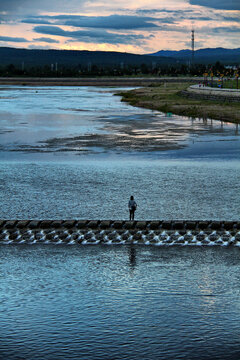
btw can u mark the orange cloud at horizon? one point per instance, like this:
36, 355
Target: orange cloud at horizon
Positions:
211, 29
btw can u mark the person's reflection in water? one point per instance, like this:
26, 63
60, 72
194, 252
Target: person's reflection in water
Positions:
132, 256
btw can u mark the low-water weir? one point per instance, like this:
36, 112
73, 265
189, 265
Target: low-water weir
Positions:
107, 232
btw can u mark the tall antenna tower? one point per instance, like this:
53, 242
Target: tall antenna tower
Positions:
193, 39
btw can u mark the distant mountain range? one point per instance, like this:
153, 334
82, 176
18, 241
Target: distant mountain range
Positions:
208, 55
75, 58
30, 58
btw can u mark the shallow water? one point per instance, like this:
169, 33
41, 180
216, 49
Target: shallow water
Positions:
115, 302
138, 303
45, 123
79, 153
100, 190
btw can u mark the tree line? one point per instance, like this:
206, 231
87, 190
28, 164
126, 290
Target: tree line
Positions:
58, 70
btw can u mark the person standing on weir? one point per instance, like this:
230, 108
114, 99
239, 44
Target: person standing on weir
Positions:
132, 205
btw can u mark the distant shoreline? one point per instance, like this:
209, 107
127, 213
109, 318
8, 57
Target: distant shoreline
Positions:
101, 81
156, 93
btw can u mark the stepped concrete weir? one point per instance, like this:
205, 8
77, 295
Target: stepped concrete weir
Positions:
110, 232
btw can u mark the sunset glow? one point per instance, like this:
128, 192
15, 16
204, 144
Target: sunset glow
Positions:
138, 27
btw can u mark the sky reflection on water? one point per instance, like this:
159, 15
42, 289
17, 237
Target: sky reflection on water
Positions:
94, 303
93, 121
80, 153
115, 302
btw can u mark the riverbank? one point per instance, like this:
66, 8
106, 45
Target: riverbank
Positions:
94, 81
167, 98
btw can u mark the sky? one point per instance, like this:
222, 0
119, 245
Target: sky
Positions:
140, 26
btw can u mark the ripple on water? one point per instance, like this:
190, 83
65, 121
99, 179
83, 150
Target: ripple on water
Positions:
119, 302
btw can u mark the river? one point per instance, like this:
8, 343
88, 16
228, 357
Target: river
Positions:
79, 153
114, 302
69, 152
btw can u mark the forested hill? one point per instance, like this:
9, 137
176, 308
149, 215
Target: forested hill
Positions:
76, 58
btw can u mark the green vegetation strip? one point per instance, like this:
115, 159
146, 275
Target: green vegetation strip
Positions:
167, 98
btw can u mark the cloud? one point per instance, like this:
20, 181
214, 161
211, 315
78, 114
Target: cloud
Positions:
194, 14
224, 29
198, 18
116, 22
218, 4
231, 18
9, 5
36, 20
47, 40
99, 36
12, 39
178, 15
168, 11
127, 27
37, 47
28, 6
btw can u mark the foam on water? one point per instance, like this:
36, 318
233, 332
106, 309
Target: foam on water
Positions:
120, 237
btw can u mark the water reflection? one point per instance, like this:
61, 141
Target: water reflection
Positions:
132, 256
92, 120
61, 306
209, 290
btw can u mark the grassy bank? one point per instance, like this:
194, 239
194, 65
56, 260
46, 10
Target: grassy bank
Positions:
167, 98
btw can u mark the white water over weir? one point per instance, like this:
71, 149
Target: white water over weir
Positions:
107, 232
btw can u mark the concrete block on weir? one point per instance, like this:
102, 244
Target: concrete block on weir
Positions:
137, 237
203, 224
216, 225
167, 225
237, 237
228, 225
93, 224
56, 224
2, 223
118, 224
13, 236
34, 224
21, 224
178, 225
82, 224
105, 224
238, 225
191, 225
141, 225
69, 223
154, 225
10, 224
46, 224
129, 224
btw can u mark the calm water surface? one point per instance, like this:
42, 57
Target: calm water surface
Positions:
68, 152
100, 190
119, 303
79, 153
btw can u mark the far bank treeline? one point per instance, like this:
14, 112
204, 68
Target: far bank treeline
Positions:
68, 63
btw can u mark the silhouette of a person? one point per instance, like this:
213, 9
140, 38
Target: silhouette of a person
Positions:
132, 206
